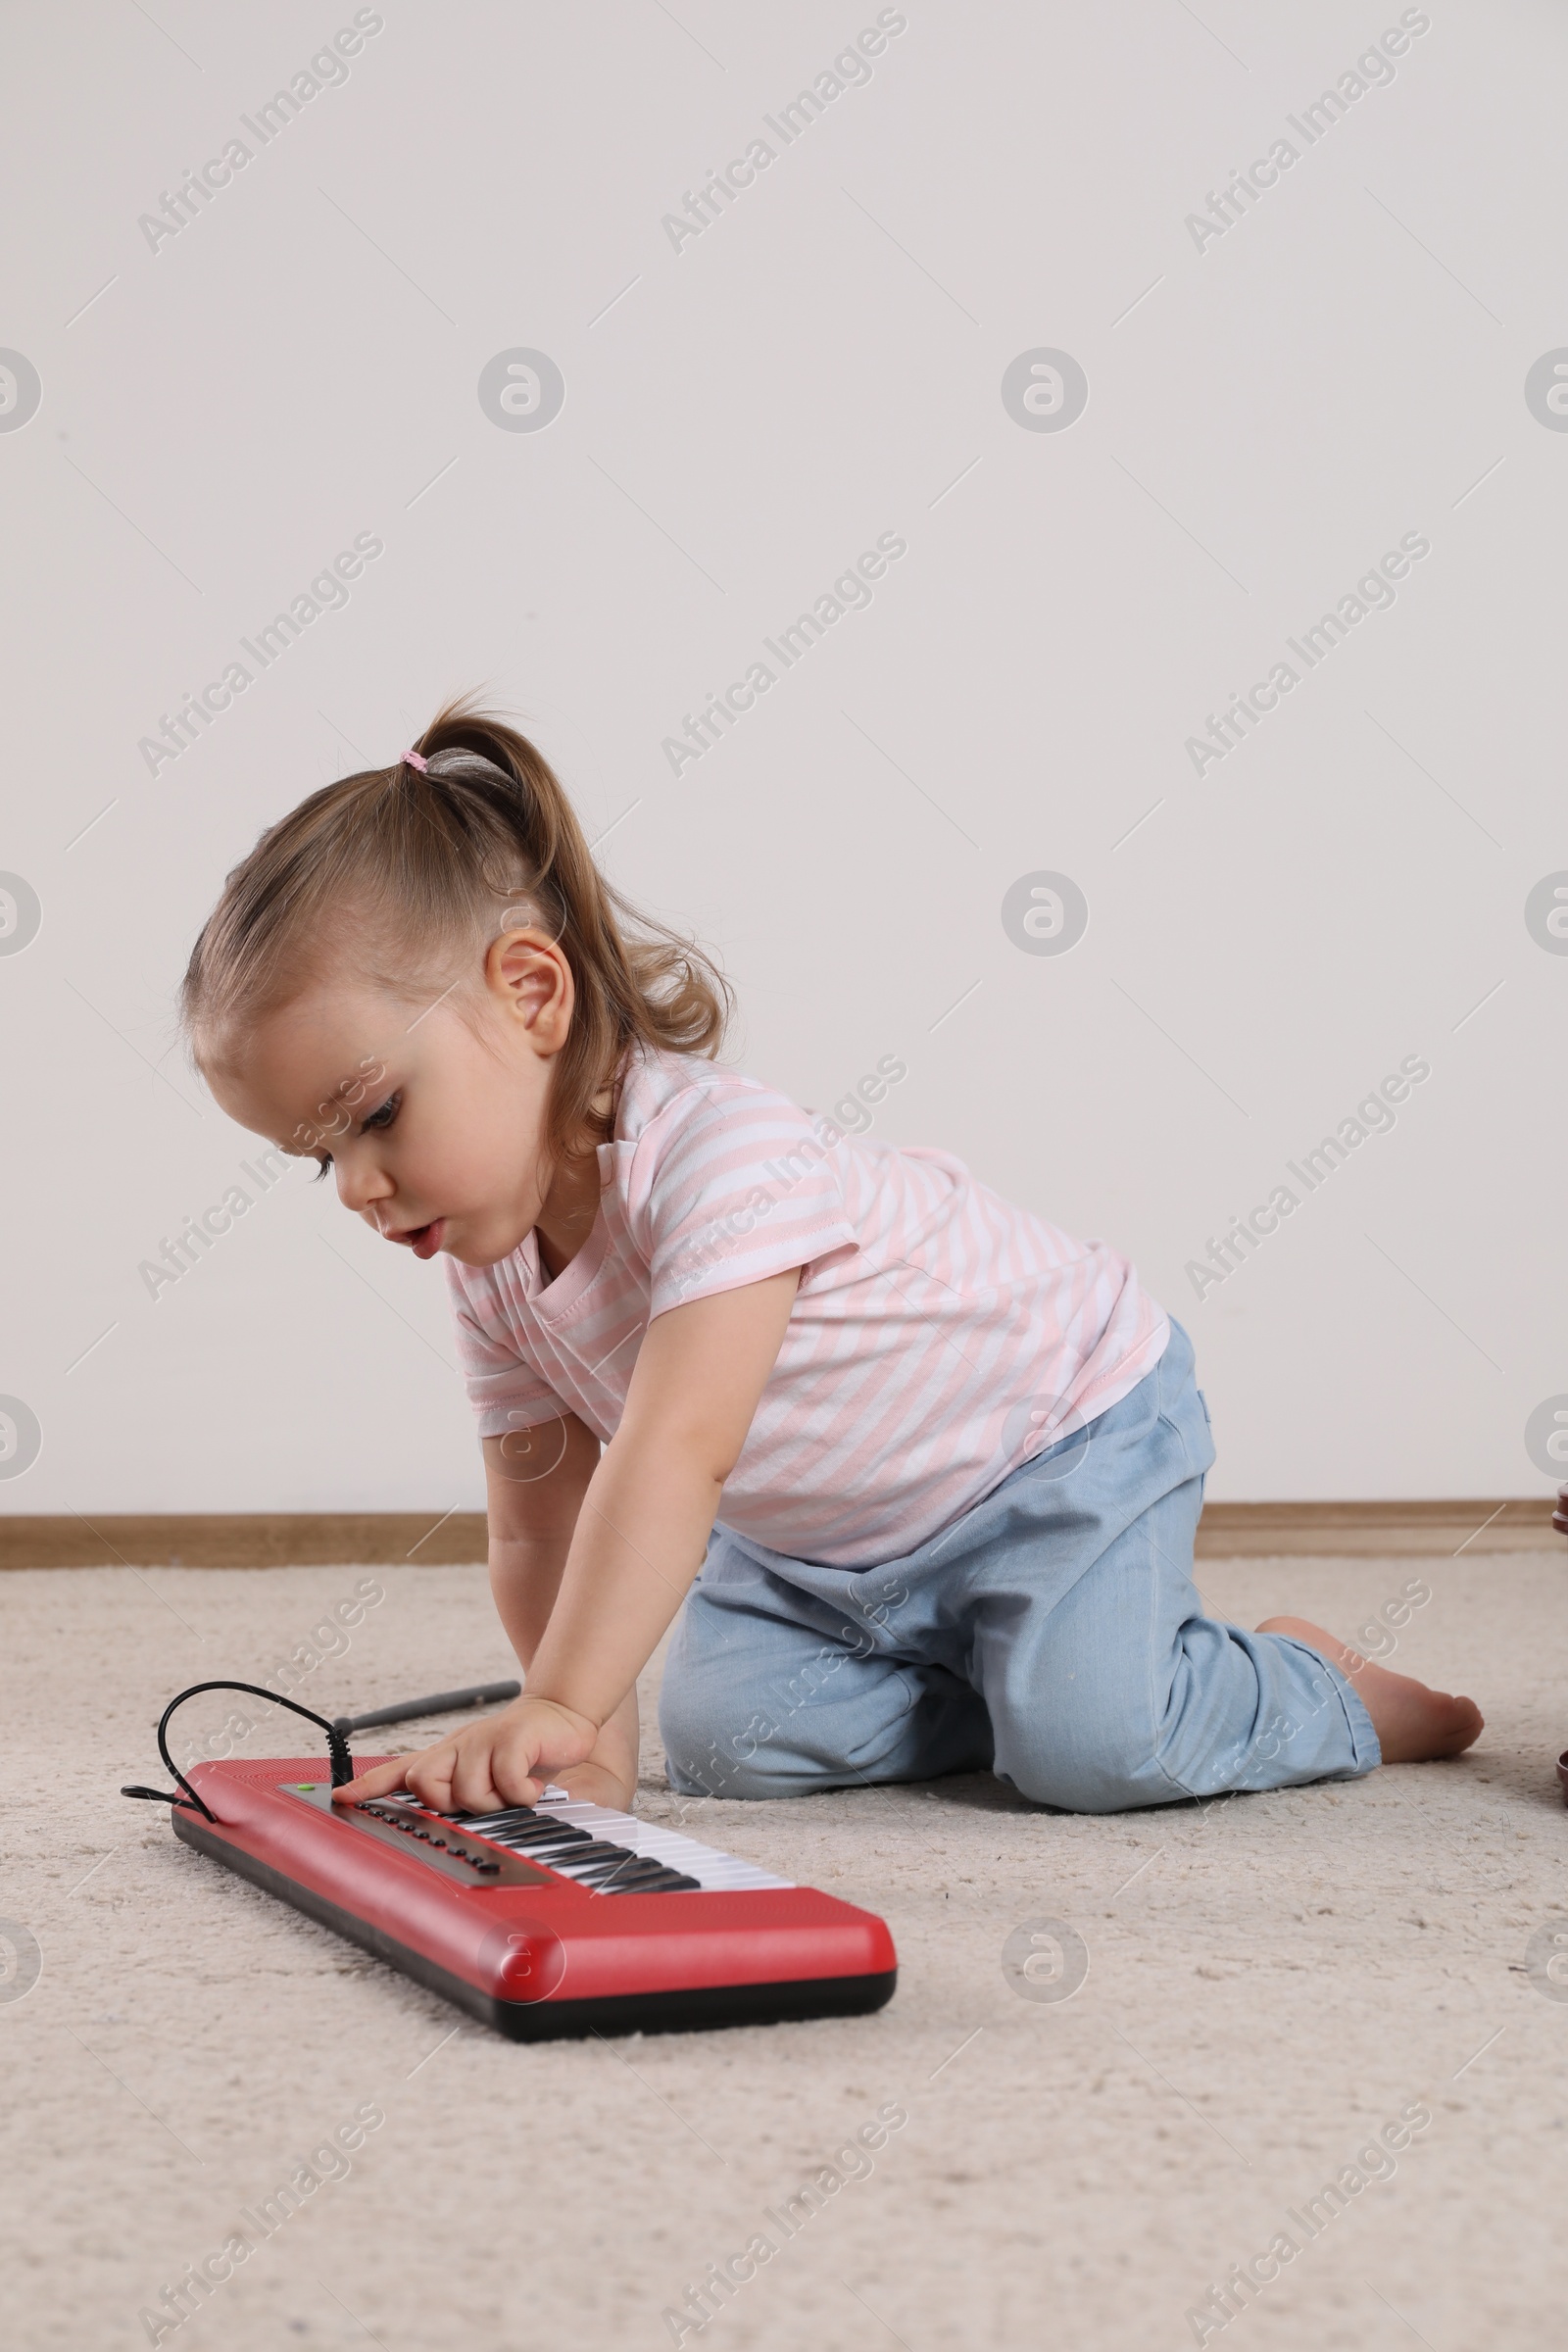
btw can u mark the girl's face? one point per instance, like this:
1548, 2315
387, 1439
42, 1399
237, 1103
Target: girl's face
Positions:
431, 1121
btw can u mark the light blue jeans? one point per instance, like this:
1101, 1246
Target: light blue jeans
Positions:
1053, 1636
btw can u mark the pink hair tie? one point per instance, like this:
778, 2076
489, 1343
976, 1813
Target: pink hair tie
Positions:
413, 759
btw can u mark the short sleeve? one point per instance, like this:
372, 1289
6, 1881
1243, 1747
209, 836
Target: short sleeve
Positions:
507, 1391
728, 1183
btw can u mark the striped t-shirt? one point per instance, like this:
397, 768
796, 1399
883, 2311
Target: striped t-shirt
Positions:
939, 1337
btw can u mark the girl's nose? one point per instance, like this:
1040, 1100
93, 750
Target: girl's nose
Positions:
360, 1181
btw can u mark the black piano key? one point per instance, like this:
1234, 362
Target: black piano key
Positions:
549, 1854
632, 1866
604, 1881
580, 1857
528, 1841
524, 1827
660, 1882
596, 1871
551, 1857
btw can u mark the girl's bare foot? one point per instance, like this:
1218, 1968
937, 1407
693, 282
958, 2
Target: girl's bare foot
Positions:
1412, 1722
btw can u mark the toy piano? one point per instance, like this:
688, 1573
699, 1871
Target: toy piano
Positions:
542, 1920
545, 1920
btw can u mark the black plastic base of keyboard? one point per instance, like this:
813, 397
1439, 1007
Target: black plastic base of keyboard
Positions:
692, 2009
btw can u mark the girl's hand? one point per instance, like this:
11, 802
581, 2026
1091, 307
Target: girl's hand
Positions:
505, 1759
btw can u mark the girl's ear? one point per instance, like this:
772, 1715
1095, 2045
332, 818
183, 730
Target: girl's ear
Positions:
530, 981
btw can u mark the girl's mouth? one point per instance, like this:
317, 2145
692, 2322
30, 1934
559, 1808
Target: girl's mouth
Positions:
424, 1240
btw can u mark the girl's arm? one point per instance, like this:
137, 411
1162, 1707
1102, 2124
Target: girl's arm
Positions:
535, 1481
638, 1541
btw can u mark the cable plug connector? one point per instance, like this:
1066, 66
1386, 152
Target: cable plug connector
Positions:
337, 1746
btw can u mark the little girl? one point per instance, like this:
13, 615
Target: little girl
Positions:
918, 1473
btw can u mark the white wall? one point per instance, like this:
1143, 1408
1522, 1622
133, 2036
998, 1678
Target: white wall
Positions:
1267, 417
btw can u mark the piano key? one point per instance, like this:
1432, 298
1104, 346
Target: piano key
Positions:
524, 1833
556, 1823
631, 1866
534, 1841
589, 1856
711, 1868
658, 1881
630, 1869
647, 1878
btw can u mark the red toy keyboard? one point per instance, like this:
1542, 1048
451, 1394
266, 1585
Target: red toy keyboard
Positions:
544, 1920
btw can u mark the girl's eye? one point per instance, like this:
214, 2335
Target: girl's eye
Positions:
379, 1121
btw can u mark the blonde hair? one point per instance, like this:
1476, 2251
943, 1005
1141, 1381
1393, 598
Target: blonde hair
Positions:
421, 863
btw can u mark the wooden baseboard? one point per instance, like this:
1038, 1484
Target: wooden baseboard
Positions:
244, 1540
1438, 1529
318, 1539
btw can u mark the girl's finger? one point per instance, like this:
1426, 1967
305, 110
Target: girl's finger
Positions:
377, 1782
475, 1784
430, 1775
515, 1769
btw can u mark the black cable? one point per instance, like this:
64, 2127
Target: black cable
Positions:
337, 1746
439, 1703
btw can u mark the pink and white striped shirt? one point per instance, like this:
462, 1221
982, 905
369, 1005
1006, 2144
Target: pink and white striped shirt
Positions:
940, 1336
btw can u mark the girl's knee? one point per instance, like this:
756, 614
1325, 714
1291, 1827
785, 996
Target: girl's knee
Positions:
711, 1769
710, 1753
1086, 1768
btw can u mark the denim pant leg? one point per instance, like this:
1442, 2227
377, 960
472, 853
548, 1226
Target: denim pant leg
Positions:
773, 1689
1115, 1689
1054, 1633
1127, 1694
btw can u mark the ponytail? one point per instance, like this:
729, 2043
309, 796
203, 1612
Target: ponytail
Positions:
428, 857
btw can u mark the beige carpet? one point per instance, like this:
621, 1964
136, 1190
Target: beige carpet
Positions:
1271, 1982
